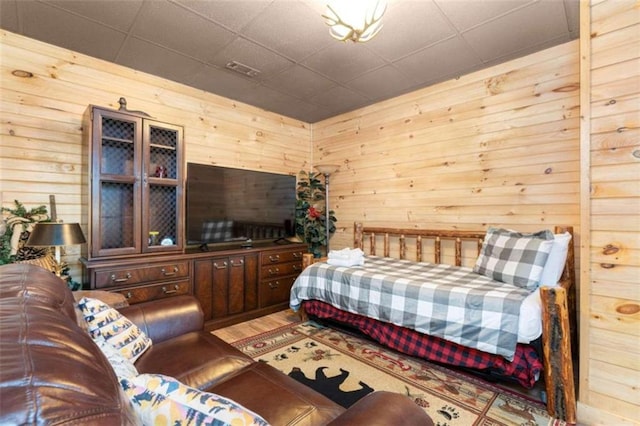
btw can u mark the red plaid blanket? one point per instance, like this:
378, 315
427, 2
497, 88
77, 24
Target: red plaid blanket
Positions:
525, 368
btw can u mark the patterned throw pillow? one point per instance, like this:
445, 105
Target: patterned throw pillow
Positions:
116, 329
121, 365
162, 400
513, 257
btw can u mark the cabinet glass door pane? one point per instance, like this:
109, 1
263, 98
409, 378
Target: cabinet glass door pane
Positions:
163, 215
117, 147
116, 215
163, 160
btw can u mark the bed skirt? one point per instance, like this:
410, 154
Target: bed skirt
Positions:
525, 368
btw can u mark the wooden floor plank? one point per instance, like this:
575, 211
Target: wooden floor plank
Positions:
257, 326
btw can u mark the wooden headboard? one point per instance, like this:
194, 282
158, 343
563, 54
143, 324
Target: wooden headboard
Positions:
559, 336
367, 234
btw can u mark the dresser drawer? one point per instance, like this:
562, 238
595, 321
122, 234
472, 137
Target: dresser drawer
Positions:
281, 269
141, 274
275, 257
155, 291
275, 291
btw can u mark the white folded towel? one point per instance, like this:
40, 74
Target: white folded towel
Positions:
346, 253
341, 262
346, 257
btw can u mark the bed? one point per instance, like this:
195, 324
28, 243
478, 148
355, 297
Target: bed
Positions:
394, 301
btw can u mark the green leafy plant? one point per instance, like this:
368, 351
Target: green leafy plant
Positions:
17, 217
310, 212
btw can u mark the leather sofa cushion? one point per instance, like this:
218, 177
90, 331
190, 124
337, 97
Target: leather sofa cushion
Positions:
31, 284
383, 408
38, 356
165, 319
276, 397
197, 359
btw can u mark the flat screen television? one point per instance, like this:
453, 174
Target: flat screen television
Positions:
226, 205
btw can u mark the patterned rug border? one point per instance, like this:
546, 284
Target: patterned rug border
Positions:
244, 340
469, 377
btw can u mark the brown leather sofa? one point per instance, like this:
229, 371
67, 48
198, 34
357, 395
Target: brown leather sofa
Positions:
51, 372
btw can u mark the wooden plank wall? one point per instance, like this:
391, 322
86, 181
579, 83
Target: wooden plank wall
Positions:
610, 330
41, 119
496, 147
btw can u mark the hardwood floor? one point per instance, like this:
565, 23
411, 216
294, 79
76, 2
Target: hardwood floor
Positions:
257, 326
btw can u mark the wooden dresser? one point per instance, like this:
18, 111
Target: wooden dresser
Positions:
141, 282
233, 284
279, 268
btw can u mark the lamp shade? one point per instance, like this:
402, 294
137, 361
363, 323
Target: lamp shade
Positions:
47, 234
327, 169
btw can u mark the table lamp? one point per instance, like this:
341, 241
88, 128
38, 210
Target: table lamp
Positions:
54, 234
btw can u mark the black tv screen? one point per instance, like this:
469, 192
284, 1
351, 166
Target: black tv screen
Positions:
226, 204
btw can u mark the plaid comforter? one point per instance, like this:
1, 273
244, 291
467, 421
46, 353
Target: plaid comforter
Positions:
449, 302
525, 367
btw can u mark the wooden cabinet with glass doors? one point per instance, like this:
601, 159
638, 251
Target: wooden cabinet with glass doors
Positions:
135, 206
136, 185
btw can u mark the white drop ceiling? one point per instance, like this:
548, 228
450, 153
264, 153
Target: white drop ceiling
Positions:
304, 73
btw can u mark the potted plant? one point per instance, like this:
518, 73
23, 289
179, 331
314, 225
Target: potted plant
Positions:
310, 212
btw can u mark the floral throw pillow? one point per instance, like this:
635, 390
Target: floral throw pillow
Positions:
163, 400
513, 257
115, 328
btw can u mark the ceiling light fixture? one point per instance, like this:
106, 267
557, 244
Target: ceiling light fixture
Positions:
355, 20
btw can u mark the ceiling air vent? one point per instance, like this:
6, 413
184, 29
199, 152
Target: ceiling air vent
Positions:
242, 69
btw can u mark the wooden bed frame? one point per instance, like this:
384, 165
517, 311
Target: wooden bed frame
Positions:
558, 303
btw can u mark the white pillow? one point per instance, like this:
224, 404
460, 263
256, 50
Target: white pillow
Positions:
555, 262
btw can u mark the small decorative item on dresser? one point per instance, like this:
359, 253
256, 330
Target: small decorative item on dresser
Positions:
153, 238
161, 172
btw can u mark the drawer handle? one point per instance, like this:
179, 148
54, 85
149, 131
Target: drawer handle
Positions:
297, 255
275, 271
170, 273
275, 285
120, 280
238, 263
128, 295
220, 266
175, 289
275, 258
297, 267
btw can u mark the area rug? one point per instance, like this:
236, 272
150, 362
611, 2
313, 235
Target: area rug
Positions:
345, 367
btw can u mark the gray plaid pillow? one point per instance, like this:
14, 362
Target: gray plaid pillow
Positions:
513, 257
217, 230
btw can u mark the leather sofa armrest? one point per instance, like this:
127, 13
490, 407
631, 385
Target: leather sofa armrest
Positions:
382, 409
164, 319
